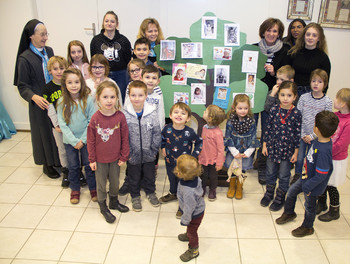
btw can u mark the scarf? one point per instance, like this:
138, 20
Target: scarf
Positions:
45, 59
241, 127
269, 51
152, 53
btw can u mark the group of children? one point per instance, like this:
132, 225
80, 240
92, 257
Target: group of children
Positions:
94, 130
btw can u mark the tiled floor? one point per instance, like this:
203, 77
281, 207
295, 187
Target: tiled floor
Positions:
39, 225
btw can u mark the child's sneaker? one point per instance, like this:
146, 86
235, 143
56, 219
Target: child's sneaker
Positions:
74, 197
212, 195
136, 204
178, 214
285, 218
65, 181
152, 198
302, 231
191, 253
93, 194
183, 237
168, 198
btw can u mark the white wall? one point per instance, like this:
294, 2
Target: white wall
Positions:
65, 20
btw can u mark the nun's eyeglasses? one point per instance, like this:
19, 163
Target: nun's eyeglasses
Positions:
44, 34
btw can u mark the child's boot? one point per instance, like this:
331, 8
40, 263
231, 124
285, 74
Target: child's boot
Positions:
115, 204
212, 195
65, 181
232, 189
110, 218
278, 203
239, 190
321, 203
332, 214
191, 253
268, 196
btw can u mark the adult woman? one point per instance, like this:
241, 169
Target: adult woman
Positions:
115, 47
31, 75
309, 53
295, 29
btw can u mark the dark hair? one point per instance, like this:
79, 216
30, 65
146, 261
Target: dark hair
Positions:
137, 84
327, 123
99, 58
110, 13
142, 40
289, 39
150, 69
182, 106
289, 85
269, 23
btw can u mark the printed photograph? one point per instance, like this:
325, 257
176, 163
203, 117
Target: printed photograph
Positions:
250, 82
167, 49
209, 27
250, 61
179, 74
192, 50
222, 75
231, 34
222, 53
196, 71
198, 91
181, 97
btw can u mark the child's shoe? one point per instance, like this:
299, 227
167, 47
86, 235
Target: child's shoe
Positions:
74, 197
268, 196
278, 203
136, 204
152, 198
212, 195
232, 189
191, 253
124, 189
239, 190
65, 181
93, 194
115, 204
110, 218
294, 178
332, 214
82, 178
178, 214
302, 231
183, 237
168, 198
285, 218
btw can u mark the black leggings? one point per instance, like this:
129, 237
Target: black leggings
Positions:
333, 196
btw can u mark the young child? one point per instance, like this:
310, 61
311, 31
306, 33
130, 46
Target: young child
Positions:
319, 169
341, 141
309, 105
191, 202
179, 75
212, 156
52, 92
145, 139
77, 58
142, 49
75, 109
281, 143
135, 68
177, 139
240, 141
108, 147
99, 70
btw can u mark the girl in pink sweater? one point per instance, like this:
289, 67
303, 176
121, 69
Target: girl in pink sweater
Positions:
341, 141
212, 156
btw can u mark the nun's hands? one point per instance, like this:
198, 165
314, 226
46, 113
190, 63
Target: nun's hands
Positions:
40, 101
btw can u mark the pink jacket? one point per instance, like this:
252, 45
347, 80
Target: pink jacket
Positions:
213, 147
341, 138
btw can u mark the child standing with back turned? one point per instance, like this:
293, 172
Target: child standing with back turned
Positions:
319, 168
212, 156
191, 202
341, 141
108, 146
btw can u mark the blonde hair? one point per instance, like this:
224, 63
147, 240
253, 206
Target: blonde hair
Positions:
344, 95
182, 106
79, 44
108, 84
138, 62
187, 167
99, 58
144, 27
68, 102
216, 115
240, 98
322, 74
287, 70
60, 60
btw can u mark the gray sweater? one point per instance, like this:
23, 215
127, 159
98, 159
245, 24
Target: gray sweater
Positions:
144, 134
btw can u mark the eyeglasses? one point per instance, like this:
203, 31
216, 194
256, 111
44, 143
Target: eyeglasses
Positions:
95, 68
137, 70
44, 34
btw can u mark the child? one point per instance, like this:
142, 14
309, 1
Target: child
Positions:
135, 68
179, 75
108, 147
191, 202
75, 109
319, 169
142, 49
178, 139
240, 141
281, 143
77, 58
285, 73
197, 94
145, 139
99, 70
52, 92
212, 156
341, 141
309, 105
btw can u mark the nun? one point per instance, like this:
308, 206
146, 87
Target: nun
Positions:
31, 75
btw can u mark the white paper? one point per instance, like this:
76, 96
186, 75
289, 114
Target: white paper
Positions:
209, 27
332, 10
343, 15
300, 6
221, 75
198, 93
250, 83
250, 61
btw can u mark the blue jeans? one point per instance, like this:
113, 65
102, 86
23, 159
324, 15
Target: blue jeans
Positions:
303, 149
74, 167
281, 171
310, 204
173, 180
121, 78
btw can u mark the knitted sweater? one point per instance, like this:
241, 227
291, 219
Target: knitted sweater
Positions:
341, 138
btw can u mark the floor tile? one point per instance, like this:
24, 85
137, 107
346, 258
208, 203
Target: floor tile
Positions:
258, 251
12, 240
250, 204
5, 261
45, 244
169, 249
122, 247
87, 247
45, 180
255, 226
19, 136
13, 159
332, 230
25, 175
168, 219
22, 147
27, 138
222, 205
24, 216
209, 248
303, 251
337, 250
31, 261
63, 199
210, 228
5, 209
29, 162
40, 194
17, 191
345, 203
5, 172
7, 144
127, 224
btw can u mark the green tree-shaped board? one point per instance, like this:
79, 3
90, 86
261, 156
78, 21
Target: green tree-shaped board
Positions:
237, 78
